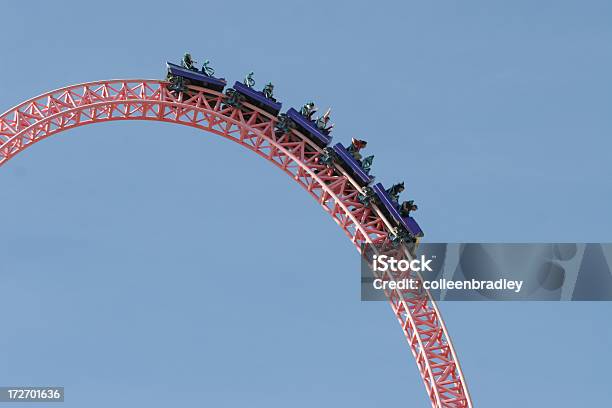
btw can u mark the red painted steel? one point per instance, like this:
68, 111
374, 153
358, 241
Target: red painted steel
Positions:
296, 155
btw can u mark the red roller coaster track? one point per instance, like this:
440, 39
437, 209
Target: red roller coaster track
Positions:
295, 154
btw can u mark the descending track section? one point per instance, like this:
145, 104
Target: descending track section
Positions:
255, 128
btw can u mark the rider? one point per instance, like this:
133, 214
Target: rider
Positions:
206, 70
407, 207
268, 91
188, 62
355, 147
322, 122
249, 81
394, 192
308, 109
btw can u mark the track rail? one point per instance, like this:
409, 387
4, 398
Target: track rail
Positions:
138, 99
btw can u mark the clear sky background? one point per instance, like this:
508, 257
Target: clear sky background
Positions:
135, 274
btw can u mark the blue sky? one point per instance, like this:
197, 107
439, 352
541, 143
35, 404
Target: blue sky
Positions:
120, 277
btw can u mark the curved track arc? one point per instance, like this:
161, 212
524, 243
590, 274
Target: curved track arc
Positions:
114, 100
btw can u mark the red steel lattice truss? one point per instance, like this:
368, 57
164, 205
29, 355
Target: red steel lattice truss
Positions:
296, 155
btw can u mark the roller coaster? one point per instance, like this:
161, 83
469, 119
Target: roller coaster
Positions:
299, 144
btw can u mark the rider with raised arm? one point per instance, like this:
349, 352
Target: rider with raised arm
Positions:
206, 70
355, 147
322, 122
248, 80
